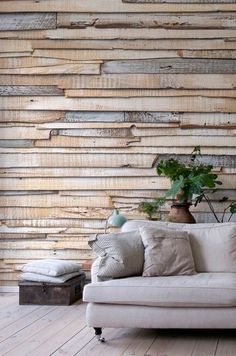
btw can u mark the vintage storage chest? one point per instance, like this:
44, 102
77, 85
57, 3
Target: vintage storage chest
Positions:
51, 293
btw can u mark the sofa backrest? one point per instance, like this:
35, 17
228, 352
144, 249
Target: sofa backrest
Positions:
213, 245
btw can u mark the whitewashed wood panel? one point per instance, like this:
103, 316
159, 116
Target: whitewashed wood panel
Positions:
28, 21
15, 46
17, 90
20, 133
70, 68
83, 184
96, 54
126, 81
153, 141
179, 65
187, 104
31, 62
150, 81
75, 160
149, 44
94, 33
54, 200
142, 93
163, 20
105, 6
29, 116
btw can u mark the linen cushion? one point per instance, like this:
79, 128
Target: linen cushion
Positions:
198, 290
50, 267
121, 254
34, 277
213, 244
167, 252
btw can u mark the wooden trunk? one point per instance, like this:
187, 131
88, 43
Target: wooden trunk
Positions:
51, 293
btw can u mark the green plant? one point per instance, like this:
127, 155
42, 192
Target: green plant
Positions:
152, 208
188, 180
231, 208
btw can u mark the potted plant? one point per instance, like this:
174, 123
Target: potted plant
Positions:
152, 208
188, 184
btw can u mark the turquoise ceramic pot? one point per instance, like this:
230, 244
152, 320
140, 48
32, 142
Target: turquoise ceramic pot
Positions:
116, 219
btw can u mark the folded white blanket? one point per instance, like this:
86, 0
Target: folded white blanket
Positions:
50, 267
34, 277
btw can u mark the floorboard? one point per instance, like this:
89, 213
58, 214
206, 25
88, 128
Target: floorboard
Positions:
61, 330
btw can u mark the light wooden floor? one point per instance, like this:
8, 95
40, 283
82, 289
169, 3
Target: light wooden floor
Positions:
61, 330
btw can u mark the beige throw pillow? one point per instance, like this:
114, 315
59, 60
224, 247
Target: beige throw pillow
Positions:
121, 254
167, 252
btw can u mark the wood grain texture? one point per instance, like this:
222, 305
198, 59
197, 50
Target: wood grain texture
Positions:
27, 21
94, 33
158, 20
105, 6
92, 95
170, 66
188, 104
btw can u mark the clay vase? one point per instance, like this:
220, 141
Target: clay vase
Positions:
180, 213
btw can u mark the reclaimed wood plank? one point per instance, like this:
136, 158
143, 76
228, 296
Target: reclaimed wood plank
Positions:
55, 201
31, 62
16, 143
126, 81
149, 81
148, 44
21, 133
76, 160
15, 46
15, 54
105, 6
187, 104
208, 20
44, 245
29, 116
118, 33
17, 90
39, 254
143, 141
93, 54
179, 65
177, 1
70, 68
156, 131
83, 184
27, 21
73, 93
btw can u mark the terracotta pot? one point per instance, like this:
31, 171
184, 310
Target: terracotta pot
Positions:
180, 214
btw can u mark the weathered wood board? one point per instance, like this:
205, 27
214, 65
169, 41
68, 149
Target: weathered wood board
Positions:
92, 95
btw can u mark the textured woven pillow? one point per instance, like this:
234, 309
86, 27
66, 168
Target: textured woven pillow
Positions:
51, 268
167, 252
121, 254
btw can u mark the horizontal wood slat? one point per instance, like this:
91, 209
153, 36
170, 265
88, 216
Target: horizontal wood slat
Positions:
159, 20
105, 6
188, 104
28, 21
94, 33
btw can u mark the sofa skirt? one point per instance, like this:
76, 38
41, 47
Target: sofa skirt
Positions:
136, 316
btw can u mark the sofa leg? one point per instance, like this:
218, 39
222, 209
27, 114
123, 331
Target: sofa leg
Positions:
98, 333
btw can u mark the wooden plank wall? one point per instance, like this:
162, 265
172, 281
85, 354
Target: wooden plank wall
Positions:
92, 94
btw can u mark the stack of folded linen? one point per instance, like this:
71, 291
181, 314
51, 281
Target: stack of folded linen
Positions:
50, 270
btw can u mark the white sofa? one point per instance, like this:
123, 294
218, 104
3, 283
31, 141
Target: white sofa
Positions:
203, 300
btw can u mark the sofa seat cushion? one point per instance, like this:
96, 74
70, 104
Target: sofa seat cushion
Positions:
200, 290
